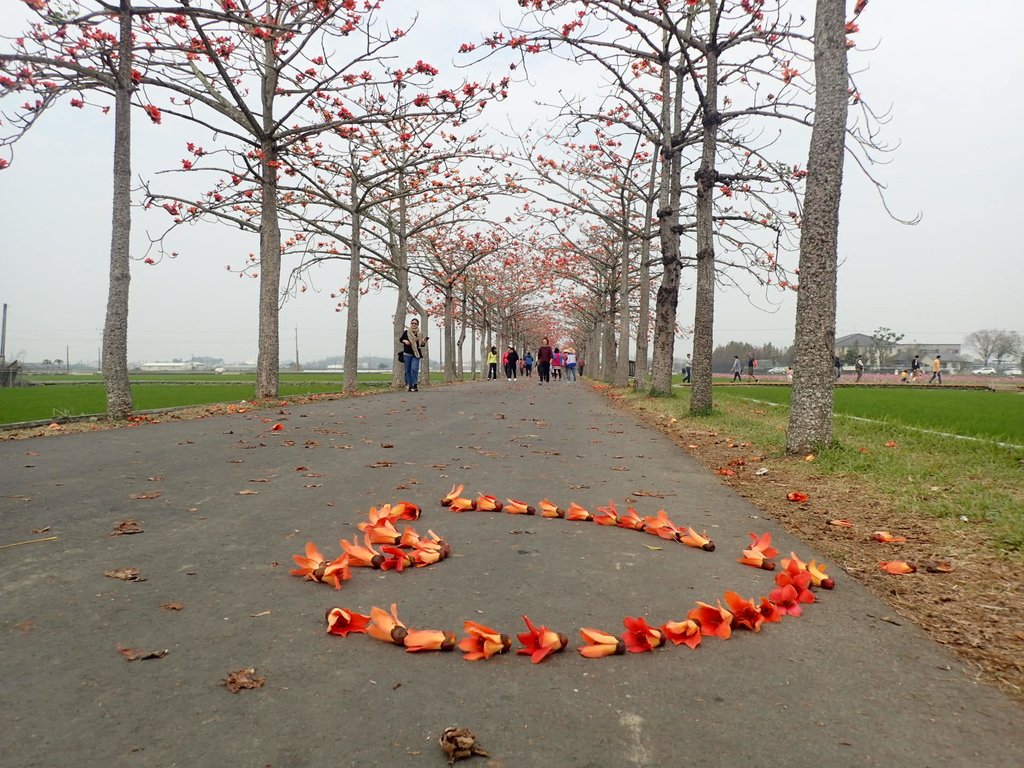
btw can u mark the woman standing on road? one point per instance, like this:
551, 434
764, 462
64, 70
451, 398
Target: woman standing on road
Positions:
412, 349
511, 363
492, 364
544, 355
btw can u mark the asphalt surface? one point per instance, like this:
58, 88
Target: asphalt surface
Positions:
847, 684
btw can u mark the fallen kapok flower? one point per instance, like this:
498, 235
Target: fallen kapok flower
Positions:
659, 525
461, 504
887, 538
315, 567
897, 567
488, 503
640, 636
693, 539
243, 678
938, 566
797, 496
135, 654
770, 611
125, 574
360, 556
375, 516
576, 512
890, 444
725, 472
382, 532
516, 507
278, 427
405, 510
607, 515
685, 632
550, 509
483, 642
598, 644
817, 572
841, 523
714, 620
760, 550
343, 622
397, 559
745, 612
126, 527
386, 627
460, 743
786, 599
410, 538
540, 642
631, 520
454, 493
417, 640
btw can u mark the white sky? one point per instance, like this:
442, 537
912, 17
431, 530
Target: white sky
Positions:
948, 75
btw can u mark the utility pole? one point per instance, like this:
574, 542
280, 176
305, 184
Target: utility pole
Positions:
3, 339
297, 366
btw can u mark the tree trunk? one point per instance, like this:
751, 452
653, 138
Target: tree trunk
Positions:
268, 359
621, 374
115, 328
668, 231
449, 333
810, 416
704, 300
352, 298
643, 322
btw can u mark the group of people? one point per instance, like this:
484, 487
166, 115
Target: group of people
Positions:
914, 374
550, 363
737, 368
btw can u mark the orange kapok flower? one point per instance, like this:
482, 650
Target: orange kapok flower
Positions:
461, 504
797, 496
607, 515
685, 632
454, 493
659, 525
360, 556
386, 627
483, 642
745, 613
763, 544
417, 640
818, 576
410, 538
887, 538
713, 620
598, 644
693, 539
770, 611
382, 532
640, 636
397, 559
785, 598
540, 642
405, 510
550, 509
897, 567
486, 503
516, 507
313, 567
576, 512
375, 516
342, 622
631, 520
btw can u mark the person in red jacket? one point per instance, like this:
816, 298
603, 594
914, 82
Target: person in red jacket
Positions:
544, 355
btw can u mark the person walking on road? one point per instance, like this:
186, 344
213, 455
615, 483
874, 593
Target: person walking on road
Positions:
528, 364
544, 355
412, 350
570, 364
492, 364
687, 370
737, 369
859, 366
751, 367
556, 364
511, 363
936, 369
837, 363
915, 368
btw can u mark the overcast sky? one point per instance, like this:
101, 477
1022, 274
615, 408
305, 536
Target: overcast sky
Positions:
948, 76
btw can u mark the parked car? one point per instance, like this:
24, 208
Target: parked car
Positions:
1014, 372
984, 371
777, 369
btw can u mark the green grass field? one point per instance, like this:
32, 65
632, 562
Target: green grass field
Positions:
983, 414
63, 396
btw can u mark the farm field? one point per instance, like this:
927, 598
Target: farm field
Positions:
996, 416
63, 396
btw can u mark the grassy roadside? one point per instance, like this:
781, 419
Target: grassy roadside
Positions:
956, 501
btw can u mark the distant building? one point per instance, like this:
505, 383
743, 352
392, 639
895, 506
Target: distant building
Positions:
900, 354
191, 365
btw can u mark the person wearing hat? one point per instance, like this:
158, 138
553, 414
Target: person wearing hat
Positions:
511, 363
570, 364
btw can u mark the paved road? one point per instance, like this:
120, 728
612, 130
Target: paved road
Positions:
840, 686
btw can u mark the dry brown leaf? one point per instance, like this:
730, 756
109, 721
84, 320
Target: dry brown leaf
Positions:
155, 478
41, 530
136, 654
126, 527
125, 574
243, 678
146, 495
258, 480
175, 606
247, 493
313, 485
387, 445
381, 463
651, 494
938, 566
261, 613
